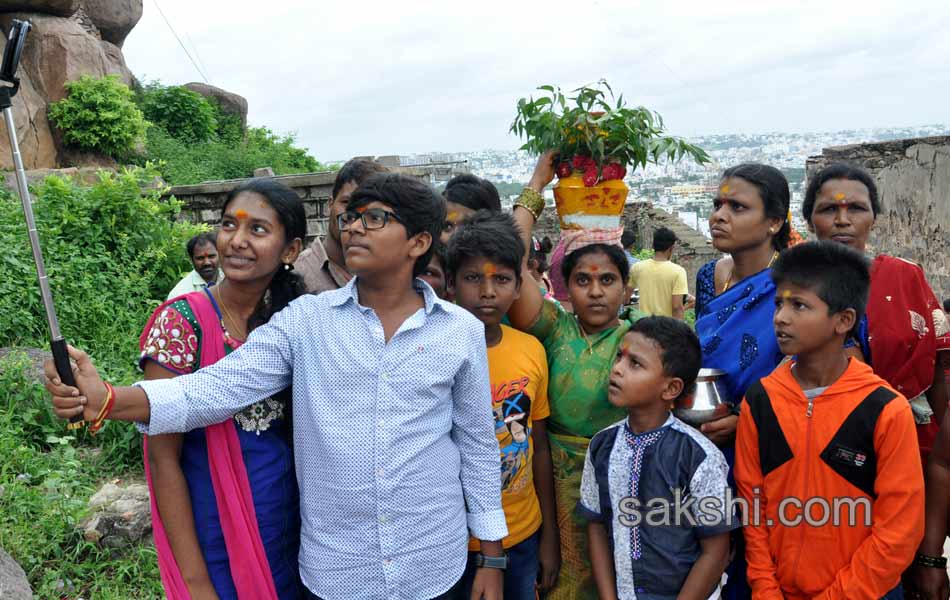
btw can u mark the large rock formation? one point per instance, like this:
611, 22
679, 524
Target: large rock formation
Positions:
64, 44
60, 8
113, 18
229, 102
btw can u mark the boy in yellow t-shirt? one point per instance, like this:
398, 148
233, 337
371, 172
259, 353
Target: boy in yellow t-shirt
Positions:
485, 258
662, 283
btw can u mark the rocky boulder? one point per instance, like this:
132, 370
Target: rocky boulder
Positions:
114, 18
60, 8
57, 51
120, 515
13, 582
229, 102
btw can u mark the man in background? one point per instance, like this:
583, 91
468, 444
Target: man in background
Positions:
322, 265
202, 250
662, 283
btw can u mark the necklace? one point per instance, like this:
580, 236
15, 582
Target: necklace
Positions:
733, 268
227, 313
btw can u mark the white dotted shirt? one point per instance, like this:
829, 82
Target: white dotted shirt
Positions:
395, 445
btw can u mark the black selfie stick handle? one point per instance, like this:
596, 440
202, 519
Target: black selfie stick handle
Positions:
65, 371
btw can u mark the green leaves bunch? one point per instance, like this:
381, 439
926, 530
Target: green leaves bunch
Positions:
590, 122
99, 115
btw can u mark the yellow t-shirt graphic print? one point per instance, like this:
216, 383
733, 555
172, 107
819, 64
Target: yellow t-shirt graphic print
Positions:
519, 383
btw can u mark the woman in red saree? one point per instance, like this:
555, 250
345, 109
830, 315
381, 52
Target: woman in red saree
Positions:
225, 504
899, 335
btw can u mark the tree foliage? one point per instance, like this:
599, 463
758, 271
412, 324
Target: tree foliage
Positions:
112, 250
99, 115
184, 114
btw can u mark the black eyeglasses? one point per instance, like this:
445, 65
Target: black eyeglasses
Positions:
372, 218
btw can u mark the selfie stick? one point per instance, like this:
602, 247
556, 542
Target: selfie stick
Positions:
9, 86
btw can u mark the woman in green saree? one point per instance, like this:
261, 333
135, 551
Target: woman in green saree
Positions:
581, 348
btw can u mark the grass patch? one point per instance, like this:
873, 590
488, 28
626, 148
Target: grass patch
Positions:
47, 476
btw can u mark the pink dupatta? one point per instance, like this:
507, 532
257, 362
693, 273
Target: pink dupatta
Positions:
250, 570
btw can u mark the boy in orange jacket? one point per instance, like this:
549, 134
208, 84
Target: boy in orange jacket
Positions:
826, 451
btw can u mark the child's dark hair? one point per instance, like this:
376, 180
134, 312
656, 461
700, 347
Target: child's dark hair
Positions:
285, 285
628, 238
473, 192
205, 237
493, 235
773, 189
663, 239
539, 253
834, 272
416, 204
680, 351
839, 171
614, 253
355, 170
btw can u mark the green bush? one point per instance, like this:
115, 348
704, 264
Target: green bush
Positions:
112, 250
47, 477
184, 114
182, 163
99, 115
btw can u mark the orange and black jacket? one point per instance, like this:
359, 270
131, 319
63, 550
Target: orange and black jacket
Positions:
854, 441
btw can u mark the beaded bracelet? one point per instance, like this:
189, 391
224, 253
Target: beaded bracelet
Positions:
531, 201
934, 562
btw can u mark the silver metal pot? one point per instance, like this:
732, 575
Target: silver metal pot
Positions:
709, 402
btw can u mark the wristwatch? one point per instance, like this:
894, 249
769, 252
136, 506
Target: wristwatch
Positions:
491, 562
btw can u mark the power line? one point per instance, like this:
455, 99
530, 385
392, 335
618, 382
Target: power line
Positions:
201, 61
188, 54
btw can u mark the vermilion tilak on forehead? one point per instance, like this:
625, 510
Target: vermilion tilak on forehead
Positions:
624, 349
594, 268
361, 209
489, 269
240, 214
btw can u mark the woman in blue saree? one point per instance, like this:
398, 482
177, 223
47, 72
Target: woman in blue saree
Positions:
735, 300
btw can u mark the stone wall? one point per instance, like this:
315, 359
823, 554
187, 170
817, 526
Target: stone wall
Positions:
692, 251
913, 179
203, 201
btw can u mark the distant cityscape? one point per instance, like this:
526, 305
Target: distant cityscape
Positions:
682, 188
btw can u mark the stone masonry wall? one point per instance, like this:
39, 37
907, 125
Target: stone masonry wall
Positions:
913, 180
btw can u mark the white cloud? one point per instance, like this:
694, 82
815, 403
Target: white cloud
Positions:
380, 77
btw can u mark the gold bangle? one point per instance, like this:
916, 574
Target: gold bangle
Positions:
531, 201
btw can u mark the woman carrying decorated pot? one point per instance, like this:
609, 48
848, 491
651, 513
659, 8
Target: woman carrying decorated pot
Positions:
735, 300
224, 498
899, 335
581, 348
597, 138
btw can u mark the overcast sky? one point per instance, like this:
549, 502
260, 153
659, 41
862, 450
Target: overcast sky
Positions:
375, 77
